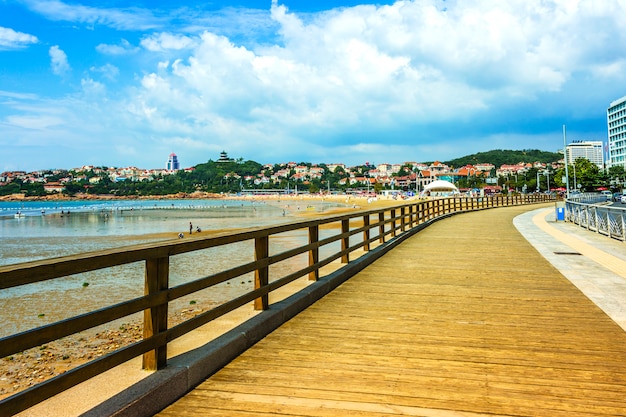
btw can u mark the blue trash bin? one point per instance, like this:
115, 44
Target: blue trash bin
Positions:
560, 213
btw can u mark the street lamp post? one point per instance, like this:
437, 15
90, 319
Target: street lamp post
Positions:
538, 181
566, 171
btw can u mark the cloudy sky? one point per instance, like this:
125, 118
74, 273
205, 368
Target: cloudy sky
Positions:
121, 83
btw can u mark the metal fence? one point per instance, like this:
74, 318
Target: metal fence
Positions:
600, 218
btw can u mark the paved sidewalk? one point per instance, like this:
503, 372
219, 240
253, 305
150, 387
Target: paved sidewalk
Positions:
595, 263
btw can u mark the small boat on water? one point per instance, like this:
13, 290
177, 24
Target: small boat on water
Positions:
19, 214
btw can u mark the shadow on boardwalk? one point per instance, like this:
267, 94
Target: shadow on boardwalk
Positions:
465, 318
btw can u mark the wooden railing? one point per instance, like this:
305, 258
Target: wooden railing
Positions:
374, 227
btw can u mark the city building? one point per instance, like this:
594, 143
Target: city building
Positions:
172, 163
589, 150
616, 123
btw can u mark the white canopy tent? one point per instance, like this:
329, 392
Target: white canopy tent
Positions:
440, 188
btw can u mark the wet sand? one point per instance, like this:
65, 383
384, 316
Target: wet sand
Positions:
28, 368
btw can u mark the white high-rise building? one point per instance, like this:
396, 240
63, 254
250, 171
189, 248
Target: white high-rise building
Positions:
589, 150
616, 121
172, 163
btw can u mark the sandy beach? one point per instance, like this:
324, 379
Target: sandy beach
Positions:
28, 368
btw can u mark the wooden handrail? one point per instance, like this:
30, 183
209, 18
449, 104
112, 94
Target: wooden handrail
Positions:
390, 222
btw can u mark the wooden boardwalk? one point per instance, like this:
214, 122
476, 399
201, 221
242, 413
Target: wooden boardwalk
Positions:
463, 319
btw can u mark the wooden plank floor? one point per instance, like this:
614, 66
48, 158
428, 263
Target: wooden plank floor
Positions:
463, 319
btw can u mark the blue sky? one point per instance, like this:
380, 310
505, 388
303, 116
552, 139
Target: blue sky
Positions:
120, 83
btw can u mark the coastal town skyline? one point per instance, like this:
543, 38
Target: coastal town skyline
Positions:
105, 83
172, 164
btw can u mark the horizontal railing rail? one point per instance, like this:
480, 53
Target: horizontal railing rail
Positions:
603, 219
345, 234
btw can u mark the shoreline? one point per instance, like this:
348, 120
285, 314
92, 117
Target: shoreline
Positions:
198, 195
110, 197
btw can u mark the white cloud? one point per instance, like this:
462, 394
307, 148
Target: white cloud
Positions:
34, 122
92, 88
130, 18
363, 82
167, 41
10, 39
369, 69
124, 48
108, 71
58, 60
21, 96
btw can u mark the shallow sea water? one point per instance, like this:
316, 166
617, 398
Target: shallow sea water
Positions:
51, 234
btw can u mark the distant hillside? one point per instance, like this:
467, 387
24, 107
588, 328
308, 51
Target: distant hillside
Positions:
500, 157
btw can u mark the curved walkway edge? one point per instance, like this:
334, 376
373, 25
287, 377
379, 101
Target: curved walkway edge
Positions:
594, 263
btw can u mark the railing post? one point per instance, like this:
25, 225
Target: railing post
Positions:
381, 227
155, 318
412, 215
623, 216
366, 233
261, 275
314, 253
393, 223
345, 241
403, 219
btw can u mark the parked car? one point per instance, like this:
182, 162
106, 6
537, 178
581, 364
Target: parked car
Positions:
607, 194
617, 197
623, 199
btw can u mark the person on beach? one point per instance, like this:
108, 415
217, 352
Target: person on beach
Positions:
190, 228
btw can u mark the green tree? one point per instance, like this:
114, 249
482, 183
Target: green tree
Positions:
33, 189
617, 177
11, 188
587, 174
500, 157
